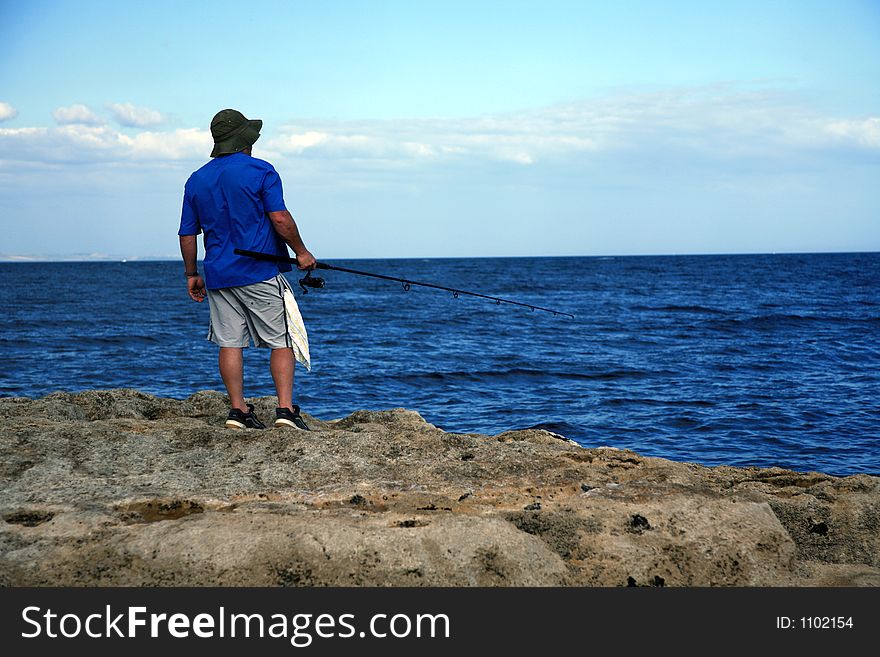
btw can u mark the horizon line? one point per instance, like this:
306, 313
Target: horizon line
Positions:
80, 258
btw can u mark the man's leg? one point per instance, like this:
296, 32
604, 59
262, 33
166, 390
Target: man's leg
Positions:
281, 364
232, 372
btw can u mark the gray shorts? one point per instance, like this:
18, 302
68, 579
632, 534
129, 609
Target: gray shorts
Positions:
250, 312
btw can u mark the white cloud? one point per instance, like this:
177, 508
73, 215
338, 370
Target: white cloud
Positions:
7, 111
76, 114
865, 132
502, 139
78, 143
718, 122
299, 142
182, 144
350, 145
129, 115
687, 127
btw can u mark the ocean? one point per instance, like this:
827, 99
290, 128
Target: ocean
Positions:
747, 360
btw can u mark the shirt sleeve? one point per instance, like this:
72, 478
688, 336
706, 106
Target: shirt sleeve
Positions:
189, 218
272, 193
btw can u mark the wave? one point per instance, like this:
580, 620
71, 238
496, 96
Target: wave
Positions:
702, 310
526, 373
781, 320
625, 401
561, 428
122, 340
74, 342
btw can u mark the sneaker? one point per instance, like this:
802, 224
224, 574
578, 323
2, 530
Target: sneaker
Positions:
239, 420
284, 417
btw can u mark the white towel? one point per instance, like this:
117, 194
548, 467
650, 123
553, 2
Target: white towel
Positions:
296, 328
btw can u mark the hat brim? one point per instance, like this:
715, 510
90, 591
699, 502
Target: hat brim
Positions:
241, 139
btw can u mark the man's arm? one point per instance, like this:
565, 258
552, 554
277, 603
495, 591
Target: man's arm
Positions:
284, 225
194, 284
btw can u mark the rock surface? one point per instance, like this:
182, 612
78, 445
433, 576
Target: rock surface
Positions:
122, 488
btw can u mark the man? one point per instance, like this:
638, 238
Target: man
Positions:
237, 201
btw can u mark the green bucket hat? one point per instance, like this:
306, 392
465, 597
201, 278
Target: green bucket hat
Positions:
233, 132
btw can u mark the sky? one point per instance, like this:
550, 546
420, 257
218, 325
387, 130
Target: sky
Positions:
445, 129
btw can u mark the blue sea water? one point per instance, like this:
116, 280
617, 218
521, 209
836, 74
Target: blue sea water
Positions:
767, 360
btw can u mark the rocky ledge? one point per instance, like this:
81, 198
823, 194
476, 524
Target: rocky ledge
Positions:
122, 488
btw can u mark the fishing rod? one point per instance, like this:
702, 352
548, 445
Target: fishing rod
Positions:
308, 281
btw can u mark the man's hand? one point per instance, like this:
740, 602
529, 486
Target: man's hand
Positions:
305, 260
194, 284
196, 288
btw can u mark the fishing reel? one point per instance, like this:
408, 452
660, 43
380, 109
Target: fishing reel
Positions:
307, 281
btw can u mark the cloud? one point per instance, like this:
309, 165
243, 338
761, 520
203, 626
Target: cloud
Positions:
513, 138
866, 133
127, 114
76, 114
181, 144
7, 111
77, 143
690, 127
717, 121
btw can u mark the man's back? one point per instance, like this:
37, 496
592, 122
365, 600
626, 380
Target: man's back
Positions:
229, 198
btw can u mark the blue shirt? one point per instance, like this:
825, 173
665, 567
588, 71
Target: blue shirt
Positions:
228, 199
